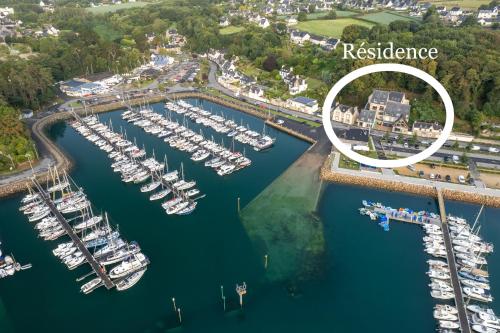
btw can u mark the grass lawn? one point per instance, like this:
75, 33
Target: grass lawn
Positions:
470, 4
340, 13
387, 17
113, 8
330, 28
230, 30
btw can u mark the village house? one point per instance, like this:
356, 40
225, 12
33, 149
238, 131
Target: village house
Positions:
366, 118
427, 129
224, 22
264, 23
296, 84
345, 114
392, 109
299, 37
303, 104
486, 17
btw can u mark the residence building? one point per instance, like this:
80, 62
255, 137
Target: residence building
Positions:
427, 129
345, 114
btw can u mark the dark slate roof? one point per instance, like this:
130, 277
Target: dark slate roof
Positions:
305, 100
397, 110
345, 108
72, 83
367, 116
396, 96
379, 97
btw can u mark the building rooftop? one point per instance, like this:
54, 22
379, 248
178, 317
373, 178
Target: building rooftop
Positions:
305, 100
397, 110
367, 116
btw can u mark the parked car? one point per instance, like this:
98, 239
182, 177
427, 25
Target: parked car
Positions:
461, 179
475, 148
280, 121
432, 176
493, 150
455, 159
471, 181
405, 144
448, 178
421, 173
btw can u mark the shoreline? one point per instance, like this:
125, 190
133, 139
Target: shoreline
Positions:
399, 185
64, 163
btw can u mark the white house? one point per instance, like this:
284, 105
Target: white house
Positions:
297, 85
264, 23
256, 92
303, 104
299, 37
291, 21
224, 22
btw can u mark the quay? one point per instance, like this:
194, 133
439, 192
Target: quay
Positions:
99, 271
457, 289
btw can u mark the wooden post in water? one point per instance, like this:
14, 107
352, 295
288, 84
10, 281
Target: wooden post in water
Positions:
173, 301
238, 205
223, 297
265, 261
180, 317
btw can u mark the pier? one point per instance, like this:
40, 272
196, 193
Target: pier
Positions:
457, 289
99, 271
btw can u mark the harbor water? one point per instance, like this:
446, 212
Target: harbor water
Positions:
371, 280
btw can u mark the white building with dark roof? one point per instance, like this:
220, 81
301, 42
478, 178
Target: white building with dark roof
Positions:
427, 129
391, 108
303, 104
345, 114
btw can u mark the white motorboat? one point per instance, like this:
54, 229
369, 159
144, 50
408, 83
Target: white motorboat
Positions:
160, 195
478, 294
448, 324
134, 263
150, 187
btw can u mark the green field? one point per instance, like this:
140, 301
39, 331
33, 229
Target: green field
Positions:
113, 8
330, 28
470, 4
230, 30
340, 13
387, 17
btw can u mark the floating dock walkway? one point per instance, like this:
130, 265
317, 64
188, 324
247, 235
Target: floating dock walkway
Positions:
457, 289
99, 271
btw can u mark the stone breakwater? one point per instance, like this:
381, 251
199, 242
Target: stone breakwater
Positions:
405, 187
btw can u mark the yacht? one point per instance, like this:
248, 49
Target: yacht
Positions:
442, 294
448, 324
88, 223
91, 285
136, 262
177, 207
150, 187
483, 329
120, 254
441, 314
130, 280
478, 294
446, 307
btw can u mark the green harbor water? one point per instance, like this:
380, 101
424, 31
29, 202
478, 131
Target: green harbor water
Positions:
369, 280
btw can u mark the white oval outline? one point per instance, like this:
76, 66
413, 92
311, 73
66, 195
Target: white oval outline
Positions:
388, 67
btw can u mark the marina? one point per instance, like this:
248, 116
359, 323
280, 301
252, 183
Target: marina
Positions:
94, 243
460, 276
219, 246
134, 167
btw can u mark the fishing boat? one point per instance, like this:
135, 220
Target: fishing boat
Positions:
130, 280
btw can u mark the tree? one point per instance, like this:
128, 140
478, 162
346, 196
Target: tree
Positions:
354, 32
464, 158
332, 15
302, 17
311, 8
270, 63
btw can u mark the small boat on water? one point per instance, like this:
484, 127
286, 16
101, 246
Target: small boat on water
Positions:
150, 187
91, 285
